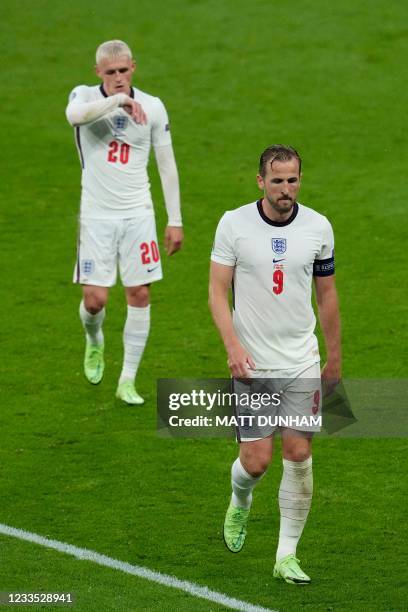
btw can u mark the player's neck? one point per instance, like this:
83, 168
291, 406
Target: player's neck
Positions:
275, 215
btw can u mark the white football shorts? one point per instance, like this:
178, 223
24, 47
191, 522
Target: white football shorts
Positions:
273, 400
105, 244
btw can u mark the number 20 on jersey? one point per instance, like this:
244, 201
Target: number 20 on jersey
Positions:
118, 152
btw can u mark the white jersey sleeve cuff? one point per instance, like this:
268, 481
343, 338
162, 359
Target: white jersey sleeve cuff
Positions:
221, 260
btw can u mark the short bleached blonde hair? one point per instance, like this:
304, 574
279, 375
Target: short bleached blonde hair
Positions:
112, 49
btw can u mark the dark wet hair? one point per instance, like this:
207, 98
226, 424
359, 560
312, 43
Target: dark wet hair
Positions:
277, 152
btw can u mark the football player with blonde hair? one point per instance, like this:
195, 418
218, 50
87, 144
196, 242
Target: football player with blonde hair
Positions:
115, 125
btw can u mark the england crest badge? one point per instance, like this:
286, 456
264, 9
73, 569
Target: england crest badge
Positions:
120, 123
279, 245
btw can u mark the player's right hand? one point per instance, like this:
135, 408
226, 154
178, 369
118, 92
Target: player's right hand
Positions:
331, 376
135, 110
240, 362
173, 239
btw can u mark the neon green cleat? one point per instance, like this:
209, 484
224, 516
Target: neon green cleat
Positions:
288, 569
235, 528
94, 364
127, 393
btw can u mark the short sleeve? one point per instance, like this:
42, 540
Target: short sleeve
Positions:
161, 136
223, 249
323, 265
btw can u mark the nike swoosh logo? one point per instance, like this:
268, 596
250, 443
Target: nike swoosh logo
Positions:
276, 260
151, 269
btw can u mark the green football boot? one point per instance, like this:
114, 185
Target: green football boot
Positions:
94, 364
235, 527
127, 393
288, 569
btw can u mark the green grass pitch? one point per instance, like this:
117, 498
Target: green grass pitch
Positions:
76, 465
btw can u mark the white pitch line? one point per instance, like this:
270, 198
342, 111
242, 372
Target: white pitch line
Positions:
135, 570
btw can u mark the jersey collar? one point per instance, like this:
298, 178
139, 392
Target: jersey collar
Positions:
105, 95
277, 223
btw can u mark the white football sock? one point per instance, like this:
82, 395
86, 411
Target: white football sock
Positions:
135, 336
92, 324
242, 485
295, 497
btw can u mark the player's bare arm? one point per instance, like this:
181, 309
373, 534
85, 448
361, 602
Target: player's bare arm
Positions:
329, 317
239, 360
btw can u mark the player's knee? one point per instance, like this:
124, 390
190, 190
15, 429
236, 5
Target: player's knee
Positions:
258, 471
94, 302
256, 466
296, 447
94, 307
297, 454
138, 296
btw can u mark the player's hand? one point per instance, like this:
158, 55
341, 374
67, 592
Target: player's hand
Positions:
331, 376
173, 239
240, 361
135, 110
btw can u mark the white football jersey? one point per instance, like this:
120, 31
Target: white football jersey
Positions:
272, 284
114, 153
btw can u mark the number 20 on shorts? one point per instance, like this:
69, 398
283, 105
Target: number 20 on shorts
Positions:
149, 252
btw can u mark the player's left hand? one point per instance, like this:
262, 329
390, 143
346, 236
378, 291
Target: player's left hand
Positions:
173, 239
331, 376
